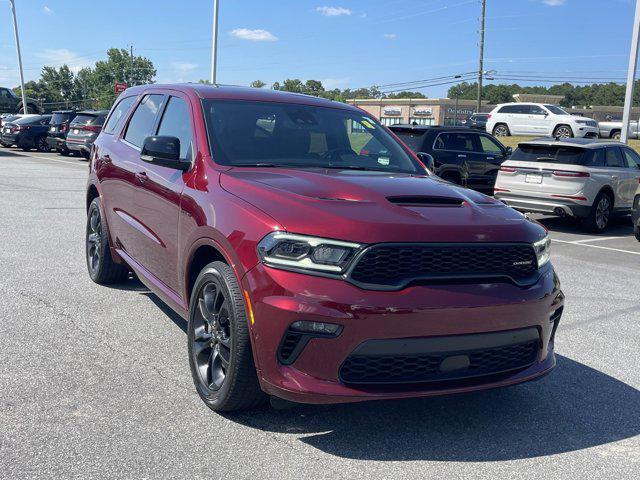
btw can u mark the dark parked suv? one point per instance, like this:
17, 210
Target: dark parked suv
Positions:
461, 155
58, 129
306, 268
27, 133
477, 121
83, 131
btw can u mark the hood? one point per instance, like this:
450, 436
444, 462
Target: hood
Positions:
372, 207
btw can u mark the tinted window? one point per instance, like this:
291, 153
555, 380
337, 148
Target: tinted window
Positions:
281, 135
614, 157
84, 119
5, 93
594, 158
633, 161
508, 109
536, 110
549, 154
556, 109
176, 122
489, 145
454, 141
59, 118
37, 120
118, 113
413, 140
141, 123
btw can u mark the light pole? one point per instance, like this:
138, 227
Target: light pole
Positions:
15, 31
631, 75
481, 56
214, 42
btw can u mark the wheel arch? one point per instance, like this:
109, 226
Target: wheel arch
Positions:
92, 193
614, 131
203, 252
608, 190
563, 125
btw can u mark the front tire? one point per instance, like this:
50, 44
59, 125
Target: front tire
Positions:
501, 130
600, 213
42, 145
102, 269
219, 346
563, 131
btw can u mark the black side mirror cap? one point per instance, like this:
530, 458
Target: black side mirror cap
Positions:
508, 151
428, 160
164, 151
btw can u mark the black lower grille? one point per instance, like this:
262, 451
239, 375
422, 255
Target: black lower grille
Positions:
397, 265
289, 347
390, 369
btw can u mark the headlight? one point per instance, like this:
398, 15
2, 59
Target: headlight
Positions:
582, 122
281, 249
543, 250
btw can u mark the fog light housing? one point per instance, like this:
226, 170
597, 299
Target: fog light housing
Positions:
315, 327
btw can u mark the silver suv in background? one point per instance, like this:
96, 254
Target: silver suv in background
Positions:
584, 178
538, 119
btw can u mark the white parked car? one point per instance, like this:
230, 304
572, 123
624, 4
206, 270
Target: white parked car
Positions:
538, 119
584, 178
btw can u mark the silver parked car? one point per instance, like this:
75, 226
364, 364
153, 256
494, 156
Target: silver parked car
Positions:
587, 179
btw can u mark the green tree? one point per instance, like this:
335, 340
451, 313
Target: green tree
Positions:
257, 84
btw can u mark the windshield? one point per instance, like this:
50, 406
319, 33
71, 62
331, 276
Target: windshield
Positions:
556, 110
59, 118
548, 154
269, 134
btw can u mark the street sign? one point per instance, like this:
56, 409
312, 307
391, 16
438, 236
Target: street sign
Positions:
119, 87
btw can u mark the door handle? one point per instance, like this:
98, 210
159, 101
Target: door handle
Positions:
141, 176
490, 158
461, 156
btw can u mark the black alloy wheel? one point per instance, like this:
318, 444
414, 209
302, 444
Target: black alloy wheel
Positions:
102, 269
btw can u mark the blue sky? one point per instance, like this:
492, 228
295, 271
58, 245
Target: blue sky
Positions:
344, 43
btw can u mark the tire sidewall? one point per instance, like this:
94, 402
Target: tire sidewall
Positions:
216, 272
104, 242
593, 225
506, 130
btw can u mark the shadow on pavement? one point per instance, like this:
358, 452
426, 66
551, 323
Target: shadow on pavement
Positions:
574, 408
619, 226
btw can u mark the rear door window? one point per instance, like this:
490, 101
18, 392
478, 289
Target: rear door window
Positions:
118, 113
176, 122
614, 158
413, 140
143, 119
455, 141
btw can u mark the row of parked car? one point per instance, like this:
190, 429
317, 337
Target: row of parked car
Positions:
542, 119
64, 131
585, 178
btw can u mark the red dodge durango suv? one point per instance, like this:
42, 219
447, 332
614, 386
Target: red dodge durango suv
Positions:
310, 268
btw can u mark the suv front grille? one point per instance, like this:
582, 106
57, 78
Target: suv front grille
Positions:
398, 265
390, 369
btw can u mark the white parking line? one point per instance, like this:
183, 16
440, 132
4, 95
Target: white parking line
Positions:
44, 157
597, 239
596, 246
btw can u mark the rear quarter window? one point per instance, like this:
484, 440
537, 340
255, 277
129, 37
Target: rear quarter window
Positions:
549, 154
118, 113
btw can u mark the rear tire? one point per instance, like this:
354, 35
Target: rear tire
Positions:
102, 269
636, 232
616, 136
501, 130
41, 144
219, 346
25, 147
600, 214
563, 131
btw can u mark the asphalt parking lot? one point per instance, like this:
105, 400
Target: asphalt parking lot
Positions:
94, 381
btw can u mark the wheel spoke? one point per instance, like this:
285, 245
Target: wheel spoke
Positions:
225, 356
204, 311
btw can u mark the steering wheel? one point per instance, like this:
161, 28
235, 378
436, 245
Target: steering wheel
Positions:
332, 153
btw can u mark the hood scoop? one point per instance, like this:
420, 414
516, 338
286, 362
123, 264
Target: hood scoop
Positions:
425, 201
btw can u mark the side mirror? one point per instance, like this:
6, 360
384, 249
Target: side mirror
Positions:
163, 151
508, 151
428, 160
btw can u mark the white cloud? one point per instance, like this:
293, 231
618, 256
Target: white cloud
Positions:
554, 3
256, 35
331, 83
184, 67
56, 57
47, 10
333, 11
389, 35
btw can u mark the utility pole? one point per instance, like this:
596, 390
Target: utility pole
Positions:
131, 74
481, 68
631, 75
214, 43
15, 31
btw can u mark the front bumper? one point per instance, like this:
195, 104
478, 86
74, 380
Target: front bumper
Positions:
547, 205
586, 132
280, 298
